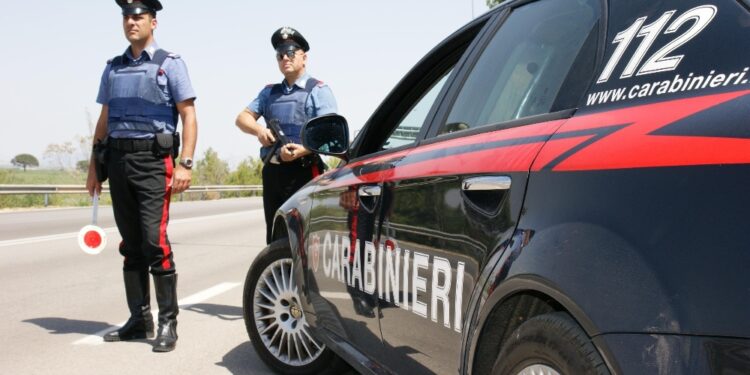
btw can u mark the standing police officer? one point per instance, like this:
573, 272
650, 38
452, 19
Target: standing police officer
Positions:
298, 98
142, 93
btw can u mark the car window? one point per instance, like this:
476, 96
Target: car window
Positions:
407, 130
522, 69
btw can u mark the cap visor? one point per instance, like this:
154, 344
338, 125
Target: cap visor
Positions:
287, 45
131, 11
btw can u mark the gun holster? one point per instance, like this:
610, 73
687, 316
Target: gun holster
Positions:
176, 145
167, 144
307, 161
101, 157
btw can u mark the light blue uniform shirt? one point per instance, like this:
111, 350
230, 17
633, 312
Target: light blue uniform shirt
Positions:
320, 101
174, 83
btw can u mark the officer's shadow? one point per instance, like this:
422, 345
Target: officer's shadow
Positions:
62, 326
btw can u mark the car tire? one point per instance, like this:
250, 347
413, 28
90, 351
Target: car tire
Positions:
549, 344
277, 330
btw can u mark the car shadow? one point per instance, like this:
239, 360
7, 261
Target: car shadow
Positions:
223, 312
244, 360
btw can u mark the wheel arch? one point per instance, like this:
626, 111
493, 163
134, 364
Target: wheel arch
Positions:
509, 305
280, 229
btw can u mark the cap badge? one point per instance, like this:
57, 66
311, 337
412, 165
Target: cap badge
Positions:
130, 1
286, 31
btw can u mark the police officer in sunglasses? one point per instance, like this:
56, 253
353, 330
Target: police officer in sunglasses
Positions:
292, 102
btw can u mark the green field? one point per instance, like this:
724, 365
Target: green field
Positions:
43, 177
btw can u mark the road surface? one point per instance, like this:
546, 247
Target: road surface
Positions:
56, 301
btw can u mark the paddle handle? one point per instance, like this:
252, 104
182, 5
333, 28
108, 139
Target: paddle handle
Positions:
96, 209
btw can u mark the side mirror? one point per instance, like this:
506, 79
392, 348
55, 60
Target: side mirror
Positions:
327, 135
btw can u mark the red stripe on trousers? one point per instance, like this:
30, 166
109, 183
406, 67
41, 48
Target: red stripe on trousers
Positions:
165, 213
315, 170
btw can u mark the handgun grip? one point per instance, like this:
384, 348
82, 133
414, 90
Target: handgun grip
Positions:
271, 153
277, 131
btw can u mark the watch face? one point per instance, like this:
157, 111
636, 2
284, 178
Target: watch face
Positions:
187, 163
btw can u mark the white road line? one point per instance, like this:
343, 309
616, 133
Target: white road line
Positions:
63, 236
97, 338
54, 237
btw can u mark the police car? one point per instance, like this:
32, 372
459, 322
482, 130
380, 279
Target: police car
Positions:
559, 187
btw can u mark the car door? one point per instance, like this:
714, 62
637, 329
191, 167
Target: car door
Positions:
453, 202
344, 242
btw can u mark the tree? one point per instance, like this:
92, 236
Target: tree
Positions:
492, 3
211, 170
84, 146
249, 172
83, 165
61, 154
25, 160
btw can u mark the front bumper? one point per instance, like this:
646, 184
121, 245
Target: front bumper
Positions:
658, 354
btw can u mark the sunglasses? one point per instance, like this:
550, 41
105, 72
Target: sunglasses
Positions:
290, 53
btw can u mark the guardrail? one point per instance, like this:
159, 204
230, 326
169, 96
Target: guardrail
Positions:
81, 189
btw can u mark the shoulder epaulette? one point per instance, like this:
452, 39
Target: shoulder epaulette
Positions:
270, 85
311, 83
173, 55
117, 60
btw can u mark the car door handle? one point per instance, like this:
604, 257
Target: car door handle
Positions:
370, 191
486, 183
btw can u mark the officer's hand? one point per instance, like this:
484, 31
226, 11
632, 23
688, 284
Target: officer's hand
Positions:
93, 184
182, 179
293, 151
266, 138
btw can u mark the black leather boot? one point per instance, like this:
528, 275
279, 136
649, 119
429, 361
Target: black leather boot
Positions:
140, 325
166, 297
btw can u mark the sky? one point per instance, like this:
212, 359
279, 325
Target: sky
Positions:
55, 51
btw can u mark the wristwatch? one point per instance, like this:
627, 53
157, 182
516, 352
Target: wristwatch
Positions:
187, 163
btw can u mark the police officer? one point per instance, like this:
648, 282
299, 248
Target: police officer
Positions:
298, 98
143, 93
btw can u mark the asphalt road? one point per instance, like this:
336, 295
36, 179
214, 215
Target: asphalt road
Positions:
56, 301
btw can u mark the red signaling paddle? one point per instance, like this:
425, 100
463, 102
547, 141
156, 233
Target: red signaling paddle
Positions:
91, 238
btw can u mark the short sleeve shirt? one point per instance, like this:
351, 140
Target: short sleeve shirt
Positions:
320, 102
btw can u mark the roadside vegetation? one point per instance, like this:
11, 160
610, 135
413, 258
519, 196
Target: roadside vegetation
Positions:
42, 177
210, 169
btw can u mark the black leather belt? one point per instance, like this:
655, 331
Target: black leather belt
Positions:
130, 145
